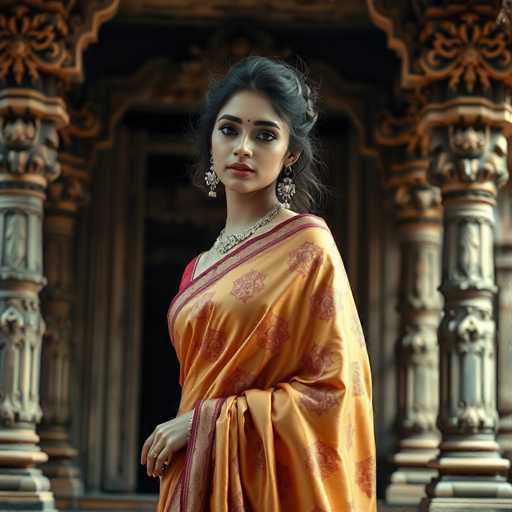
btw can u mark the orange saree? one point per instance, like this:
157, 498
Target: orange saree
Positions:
273, 362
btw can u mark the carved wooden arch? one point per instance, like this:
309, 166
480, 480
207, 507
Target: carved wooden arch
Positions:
165, 84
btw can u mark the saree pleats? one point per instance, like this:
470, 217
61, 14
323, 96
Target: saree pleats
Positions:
274, 363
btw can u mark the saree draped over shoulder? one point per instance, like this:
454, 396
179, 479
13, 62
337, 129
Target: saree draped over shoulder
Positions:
273, 362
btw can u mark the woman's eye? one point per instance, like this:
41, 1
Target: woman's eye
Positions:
267, 136
227, 130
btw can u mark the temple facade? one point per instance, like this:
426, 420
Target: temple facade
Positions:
98, 219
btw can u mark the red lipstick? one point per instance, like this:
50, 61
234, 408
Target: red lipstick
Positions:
241, 167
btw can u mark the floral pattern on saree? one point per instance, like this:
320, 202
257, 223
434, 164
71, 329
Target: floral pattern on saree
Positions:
247, 286
272, 333
324, 303
305, 258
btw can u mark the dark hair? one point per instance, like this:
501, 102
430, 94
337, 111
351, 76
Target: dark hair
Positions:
293, 100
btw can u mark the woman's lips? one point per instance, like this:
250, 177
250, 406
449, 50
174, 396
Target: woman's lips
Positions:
241, 170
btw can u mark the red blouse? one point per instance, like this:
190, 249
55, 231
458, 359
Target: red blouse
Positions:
187, 273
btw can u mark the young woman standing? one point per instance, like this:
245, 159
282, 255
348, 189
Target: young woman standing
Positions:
276, 410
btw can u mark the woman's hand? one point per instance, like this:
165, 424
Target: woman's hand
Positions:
164, 442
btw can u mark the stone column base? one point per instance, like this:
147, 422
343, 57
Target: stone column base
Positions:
17, 500
65, 482
408, 486
465, 504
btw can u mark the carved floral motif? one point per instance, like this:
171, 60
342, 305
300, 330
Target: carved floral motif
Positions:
29, 43
466, 50
401, 128
48, 37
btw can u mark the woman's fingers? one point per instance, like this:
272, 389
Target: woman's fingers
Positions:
162, 461
145, 448
161, 445
150, 462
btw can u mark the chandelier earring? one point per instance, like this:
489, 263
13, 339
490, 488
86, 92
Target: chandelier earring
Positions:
286, 187
211, 179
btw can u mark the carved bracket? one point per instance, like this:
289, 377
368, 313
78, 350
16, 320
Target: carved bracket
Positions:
38, 37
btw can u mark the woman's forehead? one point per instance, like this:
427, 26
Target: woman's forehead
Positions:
250, 106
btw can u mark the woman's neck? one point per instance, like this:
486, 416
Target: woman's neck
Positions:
244, 210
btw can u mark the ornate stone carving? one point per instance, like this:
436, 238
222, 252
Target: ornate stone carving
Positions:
15, 241
463, 64
40, 44
419, 345
310, 11
21, 328
56, 354
505, 14
400, 129
469, 154
28, 145
459, 42
31, 42
469, 248
504, 307
48, 37
418, 208
20, 259
467, 50
66, 195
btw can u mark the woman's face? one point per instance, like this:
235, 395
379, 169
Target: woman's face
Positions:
249, 143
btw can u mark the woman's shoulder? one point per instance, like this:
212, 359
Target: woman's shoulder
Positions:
312, 226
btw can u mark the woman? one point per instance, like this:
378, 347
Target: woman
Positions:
276, 409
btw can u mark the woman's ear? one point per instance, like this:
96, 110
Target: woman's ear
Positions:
291, 159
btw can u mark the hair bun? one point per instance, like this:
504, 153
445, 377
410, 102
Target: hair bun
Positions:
310, 98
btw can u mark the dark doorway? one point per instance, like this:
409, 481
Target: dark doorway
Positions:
176, 229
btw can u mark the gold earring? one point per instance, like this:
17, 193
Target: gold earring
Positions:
211, 179
286, 188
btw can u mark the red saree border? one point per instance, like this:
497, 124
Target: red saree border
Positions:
240, 255
198, 458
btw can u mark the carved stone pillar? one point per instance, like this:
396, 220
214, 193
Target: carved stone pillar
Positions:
462, 62
40, 44
469, 165
66, 196
418, 208
504, 313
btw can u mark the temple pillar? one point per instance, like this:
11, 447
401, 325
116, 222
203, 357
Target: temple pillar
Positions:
66, 195
504, 315
468, 116
455, 55
41, 46
418, 213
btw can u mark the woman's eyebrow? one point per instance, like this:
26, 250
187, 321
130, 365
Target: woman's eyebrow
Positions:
235, 119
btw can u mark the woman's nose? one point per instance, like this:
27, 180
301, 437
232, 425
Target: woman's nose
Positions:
243, 148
